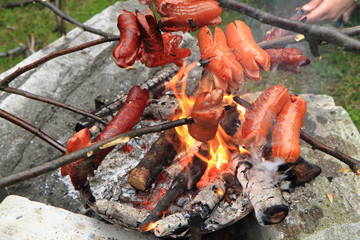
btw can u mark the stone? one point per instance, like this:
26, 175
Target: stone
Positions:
25, 219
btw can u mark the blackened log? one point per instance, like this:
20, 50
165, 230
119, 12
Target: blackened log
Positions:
160, 155
187, 179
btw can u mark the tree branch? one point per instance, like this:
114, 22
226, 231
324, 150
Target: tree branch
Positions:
35, 64
30, 128
310, 31
15, 4
72, 20
353, 163
52, 102
87, 152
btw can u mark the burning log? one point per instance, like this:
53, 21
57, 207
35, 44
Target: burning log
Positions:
161, 154
203, 204
187, 179
260, 183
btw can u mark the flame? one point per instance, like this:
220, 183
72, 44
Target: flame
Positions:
150, 227
221, 145
220, 192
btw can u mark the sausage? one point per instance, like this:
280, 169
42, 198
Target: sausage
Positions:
187, 15
247, 52
286, 132
255, 128
288, 59
158, 49
206, 112
225, 69
126, 51
125, 119
78, 170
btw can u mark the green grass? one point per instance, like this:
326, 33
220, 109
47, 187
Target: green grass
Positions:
335, 74
17, 24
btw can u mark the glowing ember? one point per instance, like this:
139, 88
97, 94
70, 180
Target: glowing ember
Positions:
219, 192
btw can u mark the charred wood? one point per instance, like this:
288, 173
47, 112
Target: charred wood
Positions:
202, 205
304, 172
160, 155
187, 179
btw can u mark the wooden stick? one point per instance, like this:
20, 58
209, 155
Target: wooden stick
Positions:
58, 12
160, 155
187, 179
35, 64
30, 128
52, 102
86, 152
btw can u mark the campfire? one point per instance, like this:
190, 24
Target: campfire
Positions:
219, 157
170, 178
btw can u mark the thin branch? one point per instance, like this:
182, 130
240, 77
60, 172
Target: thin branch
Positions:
86, 152
52, 102
59, 20
35, 64
353, 163
30, 128
72, 20
15, 4
310, 31
296, 38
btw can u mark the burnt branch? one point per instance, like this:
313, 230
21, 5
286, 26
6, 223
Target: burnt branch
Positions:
87, 152
311, 32
186, 179
30, 128
52, 102
35, 64
61, 14
353, 163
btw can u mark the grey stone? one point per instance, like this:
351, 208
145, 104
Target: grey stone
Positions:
25, 219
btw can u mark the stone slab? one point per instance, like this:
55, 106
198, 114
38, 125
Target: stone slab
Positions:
25, 219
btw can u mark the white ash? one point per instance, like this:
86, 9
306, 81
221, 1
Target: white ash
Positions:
167, 226
113, 171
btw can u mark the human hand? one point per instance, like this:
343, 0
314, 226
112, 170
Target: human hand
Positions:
323, 10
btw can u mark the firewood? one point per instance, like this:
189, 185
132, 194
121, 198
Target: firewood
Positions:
202, 205
160, 155
260, 184
187, 179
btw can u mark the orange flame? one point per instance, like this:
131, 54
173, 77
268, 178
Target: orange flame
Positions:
150, 227
220, 145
